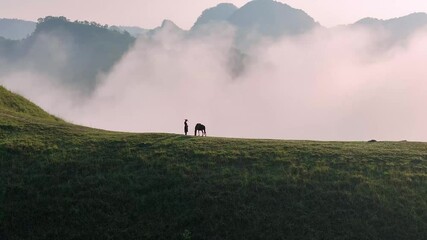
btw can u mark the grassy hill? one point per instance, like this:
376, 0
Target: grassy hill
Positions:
15, 105
61, 181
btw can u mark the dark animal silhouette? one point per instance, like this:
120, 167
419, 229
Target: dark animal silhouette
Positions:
372, 141
200, 128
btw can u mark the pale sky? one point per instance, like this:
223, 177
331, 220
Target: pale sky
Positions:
150, 13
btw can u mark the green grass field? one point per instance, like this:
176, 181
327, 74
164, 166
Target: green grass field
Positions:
61, 181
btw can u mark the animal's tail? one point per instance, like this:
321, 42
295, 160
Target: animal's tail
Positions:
195, 131
204, 131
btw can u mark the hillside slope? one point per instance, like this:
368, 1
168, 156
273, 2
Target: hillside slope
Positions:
61, 181
15, 105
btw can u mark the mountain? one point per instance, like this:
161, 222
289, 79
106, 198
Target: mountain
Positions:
220, 13
168, 31
260, 18
75, 53
63, 181
271, 18
397, 28
15, 29
166, 26
78, 53
7, 48
134, 31
252, 22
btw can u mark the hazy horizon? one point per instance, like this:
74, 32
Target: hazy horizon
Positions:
150, 14
319, 86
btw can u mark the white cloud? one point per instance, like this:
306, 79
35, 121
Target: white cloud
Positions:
325, 85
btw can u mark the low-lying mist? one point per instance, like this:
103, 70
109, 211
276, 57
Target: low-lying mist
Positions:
324, 85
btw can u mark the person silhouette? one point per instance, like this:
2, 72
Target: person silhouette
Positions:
186, 127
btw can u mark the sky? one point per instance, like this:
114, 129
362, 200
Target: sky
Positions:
150, 13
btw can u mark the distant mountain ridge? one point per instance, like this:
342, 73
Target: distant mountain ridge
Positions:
271, 18
75, 53
166, 26
220, 13
401, 26
79, 52
15, 29
393, 31
134, 31
266, 17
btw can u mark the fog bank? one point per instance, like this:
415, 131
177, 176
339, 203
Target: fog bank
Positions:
324, 85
